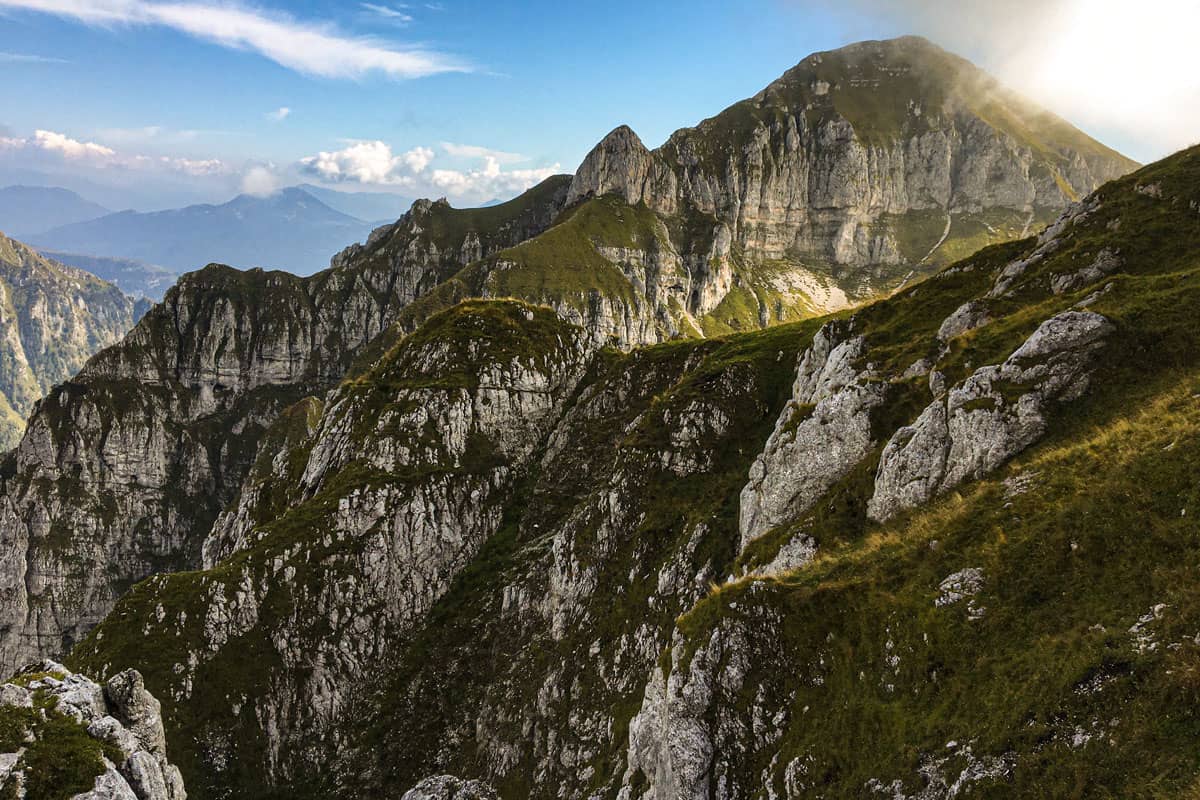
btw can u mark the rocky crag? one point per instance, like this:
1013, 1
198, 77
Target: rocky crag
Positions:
126, 466
858, 171
503, 560
52, 319
63, 735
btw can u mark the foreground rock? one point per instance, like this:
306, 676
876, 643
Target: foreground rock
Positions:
65, 735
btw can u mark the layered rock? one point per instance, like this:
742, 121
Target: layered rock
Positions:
821, 435
868, 164
52, 319
125, 467
991, 416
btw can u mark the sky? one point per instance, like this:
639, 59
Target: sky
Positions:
155, 103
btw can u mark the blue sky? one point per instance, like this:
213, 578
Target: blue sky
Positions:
186, 100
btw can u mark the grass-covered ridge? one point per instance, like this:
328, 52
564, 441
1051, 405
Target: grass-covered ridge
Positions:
604, 544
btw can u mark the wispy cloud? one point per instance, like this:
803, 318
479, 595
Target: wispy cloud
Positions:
391, 13
279, 114
375, 163
311, 48
28, 58
55, 145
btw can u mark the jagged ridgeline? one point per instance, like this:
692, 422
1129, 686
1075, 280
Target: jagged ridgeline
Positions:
397, 528
52, 318
946, 541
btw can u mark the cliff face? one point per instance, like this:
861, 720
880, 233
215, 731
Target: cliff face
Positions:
865, 167
124, 468
52, 319
358, 533
700, 569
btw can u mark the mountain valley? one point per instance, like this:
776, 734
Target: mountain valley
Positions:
842, 446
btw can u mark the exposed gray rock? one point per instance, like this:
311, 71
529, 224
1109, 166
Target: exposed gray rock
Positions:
989, 417
121, 713
448, 787
820, 435
1105, 263
969, 316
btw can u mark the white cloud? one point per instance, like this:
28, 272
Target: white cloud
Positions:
374, 163
490, 181
389, 12
310, 48
279, 114
71, 148
27, 58
259, 181
368, 162
195, 167
63, 148
1124, 71
474, 151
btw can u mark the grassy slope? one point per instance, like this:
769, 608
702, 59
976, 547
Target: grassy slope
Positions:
1111, 483
1108, 531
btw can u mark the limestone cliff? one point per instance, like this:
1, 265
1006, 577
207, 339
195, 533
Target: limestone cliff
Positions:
958, 524
855, 172
125, 466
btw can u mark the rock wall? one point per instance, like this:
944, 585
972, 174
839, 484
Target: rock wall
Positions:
52, 319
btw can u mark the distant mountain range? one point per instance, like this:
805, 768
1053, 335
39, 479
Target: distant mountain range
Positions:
290, 230
382, 206
27, 210
134, 278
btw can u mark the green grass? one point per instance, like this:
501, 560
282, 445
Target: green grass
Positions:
1107, 531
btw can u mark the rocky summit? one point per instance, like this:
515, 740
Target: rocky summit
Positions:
843, 446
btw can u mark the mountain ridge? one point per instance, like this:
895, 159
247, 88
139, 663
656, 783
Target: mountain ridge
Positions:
53, 317
385, 521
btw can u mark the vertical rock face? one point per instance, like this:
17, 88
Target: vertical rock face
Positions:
866, 163
124, 468
822, 433
52, 319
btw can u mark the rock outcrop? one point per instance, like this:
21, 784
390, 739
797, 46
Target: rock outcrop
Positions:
74, 737
447, 787
991, 416
821, 435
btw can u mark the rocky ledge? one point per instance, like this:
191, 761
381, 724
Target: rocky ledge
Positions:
64, 735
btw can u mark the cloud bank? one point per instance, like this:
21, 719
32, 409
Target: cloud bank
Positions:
310, 48
374, 164
1127, 72
58, 147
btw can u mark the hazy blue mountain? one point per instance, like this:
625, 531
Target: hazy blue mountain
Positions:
383, 206
134, 278
28, 210
290, 230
